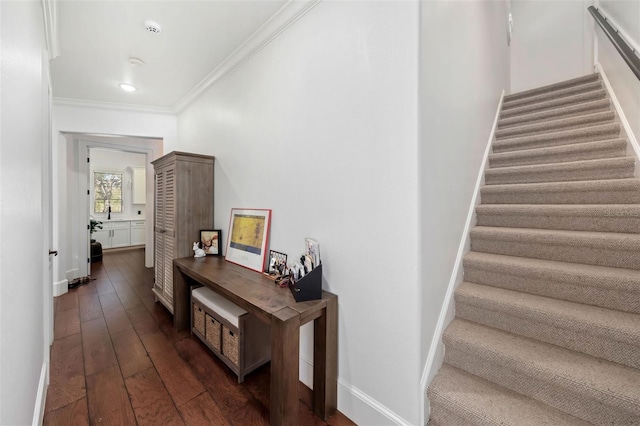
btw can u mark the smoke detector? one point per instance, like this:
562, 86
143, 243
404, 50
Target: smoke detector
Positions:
152, 27
136, 62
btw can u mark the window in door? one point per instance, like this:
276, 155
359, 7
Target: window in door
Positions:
107, 188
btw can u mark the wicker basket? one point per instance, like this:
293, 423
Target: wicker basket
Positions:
213, 332
230, 345
198, 318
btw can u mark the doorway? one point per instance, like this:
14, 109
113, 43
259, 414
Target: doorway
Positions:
78, 194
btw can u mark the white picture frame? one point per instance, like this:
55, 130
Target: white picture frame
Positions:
248, 237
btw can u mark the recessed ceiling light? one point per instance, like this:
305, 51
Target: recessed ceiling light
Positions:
136, 62
128, 87
152, 27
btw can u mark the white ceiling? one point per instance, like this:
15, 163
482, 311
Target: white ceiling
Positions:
96, 39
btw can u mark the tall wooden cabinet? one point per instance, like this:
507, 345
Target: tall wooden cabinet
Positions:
184, 206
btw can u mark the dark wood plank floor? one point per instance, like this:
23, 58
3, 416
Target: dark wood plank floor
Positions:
117, 360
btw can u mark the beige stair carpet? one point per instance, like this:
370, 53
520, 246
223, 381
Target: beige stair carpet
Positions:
547, 325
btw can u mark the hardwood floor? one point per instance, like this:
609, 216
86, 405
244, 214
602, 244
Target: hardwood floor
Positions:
117, 360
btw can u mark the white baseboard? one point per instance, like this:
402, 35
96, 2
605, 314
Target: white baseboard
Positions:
41, 397
353, 403
71, 274
435, 357
60, 288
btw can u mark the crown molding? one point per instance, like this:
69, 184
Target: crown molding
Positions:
270, 30
50, 14
113, 106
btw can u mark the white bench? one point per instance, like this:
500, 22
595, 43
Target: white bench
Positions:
238, 338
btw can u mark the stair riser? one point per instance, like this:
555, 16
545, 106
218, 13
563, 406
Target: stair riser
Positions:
568, 222
613, 150
556, 94
553, 104
560, 176
596, 293
551, 390
555, 126
587, 79
555, 114
562, 197
554, 330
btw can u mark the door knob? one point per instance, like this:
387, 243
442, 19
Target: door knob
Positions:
53, 252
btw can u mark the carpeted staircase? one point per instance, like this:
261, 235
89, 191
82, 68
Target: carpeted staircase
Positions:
547, 325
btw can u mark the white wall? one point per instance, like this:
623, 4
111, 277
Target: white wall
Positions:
68, 123
23, 246
462, 76
552, 41
626, 86
321, 127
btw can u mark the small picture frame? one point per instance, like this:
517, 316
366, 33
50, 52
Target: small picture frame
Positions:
277, 264
248, 238
210, 242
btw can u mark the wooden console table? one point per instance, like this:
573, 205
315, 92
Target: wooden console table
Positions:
275, 306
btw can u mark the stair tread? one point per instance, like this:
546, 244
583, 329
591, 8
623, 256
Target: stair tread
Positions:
555, 94
558, 151
567, 166
599, 129
492, 403
589, 275
588, 78
629, 184
613, 240
553, 125
554, 103
612, 382
552, 114
621, 326
583, 210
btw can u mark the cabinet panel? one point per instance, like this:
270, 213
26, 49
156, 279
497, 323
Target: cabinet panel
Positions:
138, 232
103, 236
139, 187
120, 236
184, 206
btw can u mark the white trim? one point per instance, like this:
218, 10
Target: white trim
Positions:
50, 15
436, 349
60, 287
363, 409
623, 120
353, 403
112, 106
41, 397
280, 21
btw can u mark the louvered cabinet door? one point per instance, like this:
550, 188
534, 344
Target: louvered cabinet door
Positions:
169, 230
159, 255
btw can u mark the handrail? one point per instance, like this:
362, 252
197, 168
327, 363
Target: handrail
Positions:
621, 46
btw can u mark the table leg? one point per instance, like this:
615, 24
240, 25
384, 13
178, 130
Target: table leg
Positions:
285, 354
325, 361
181, 301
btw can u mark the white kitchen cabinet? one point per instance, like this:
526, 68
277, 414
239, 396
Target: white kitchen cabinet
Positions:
139, 186
113, 234
138, 232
